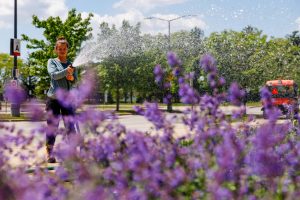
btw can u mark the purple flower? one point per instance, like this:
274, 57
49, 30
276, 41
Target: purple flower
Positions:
180, 80
188, 94
266, 96
266, 164
222, 193
173, 60
14, 94
77, 96
35, 111
136, 193
68, 149
168, 98
271, 112
154, 114
228, 155
208, 63
159, 73
62, 173
191, 118
177, 176
190, 76
239, 113
236, 95
95, 193
222, 81
176, 71
209, 104
263, 158
265, 93
211, 76
138, 109
135, 161
167, 85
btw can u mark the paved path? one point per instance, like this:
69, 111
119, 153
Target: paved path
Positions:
136, 121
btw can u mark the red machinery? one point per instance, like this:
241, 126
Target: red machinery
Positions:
284, 95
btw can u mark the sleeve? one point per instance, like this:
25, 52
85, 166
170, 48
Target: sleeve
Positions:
54, 73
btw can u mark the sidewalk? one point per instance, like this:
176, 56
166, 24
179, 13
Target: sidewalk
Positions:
5, 111
250, 110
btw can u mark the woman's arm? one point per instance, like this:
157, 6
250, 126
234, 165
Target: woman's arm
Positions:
54, 72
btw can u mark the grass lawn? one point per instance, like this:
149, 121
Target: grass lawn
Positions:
254, 103
124, 109
8, 117
126, 106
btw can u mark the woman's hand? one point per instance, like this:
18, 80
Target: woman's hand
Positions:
70, 77
70, 69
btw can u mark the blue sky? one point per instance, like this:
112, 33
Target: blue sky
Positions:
274, 17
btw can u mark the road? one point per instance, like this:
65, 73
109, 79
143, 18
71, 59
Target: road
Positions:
136, 122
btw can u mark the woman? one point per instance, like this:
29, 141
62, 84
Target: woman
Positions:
63, 76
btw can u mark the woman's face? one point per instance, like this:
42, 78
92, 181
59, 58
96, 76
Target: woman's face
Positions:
61, 50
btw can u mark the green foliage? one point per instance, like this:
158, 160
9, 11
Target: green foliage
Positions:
75, 29
6, 66
250, 58
233, 51
126, 68
188, 45
294, 38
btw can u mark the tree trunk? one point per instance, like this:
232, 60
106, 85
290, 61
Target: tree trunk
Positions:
118, 99
169, 107
131, 96
125, 96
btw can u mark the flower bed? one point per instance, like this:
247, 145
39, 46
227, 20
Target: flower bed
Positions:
213, 160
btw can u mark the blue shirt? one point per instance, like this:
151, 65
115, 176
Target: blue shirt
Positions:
58, 72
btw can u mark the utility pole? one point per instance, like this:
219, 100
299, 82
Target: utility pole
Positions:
15, 37
15, 108
169, 105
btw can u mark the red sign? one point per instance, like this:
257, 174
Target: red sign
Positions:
15, 47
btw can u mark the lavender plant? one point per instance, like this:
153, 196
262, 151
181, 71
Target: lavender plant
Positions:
213, 159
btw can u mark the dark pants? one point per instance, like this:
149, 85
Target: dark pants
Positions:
57, 109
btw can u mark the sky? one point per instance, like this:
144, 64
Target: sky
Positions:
276, 18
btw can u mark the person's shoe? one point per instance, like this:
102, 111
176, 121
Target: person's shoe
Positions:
51, 160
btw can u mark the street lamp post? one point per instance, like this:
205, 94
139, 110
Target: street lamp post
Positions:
169, 25
169, 105
15, 36
15, 108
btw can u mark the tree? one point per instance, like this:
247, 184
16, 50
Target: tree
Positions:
250, 58
294, 38
236, 53
74, 28
144, 82
118, 50
189, 45
6, 66
279, 61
